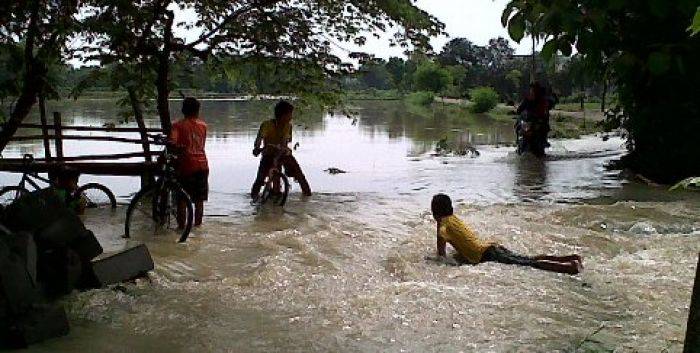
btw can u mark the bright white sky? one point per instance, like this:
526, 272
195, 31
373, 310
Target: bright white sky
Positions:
476, 20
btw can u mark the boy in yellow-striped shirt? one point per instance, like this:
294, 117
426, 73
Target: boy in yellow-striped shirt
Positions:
473, 250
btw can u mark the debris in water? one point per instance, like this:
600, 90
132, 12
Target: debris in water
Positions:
642, 228
443, 148
688, 184
334, 171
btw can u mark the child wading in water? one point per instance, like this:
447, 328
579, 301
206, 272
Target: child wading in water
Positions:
188, 137
473, 250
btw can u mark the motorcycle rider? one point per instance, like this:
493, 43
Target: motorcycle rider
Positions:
535, 110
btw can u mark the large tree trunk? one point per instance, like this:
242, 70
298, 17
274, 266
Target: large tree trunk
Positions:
137, 108
23, 106
163, 75
33, 81
604, 95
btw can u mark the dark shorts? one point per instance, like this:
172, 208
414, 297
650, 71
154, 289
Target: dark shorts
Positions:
500, 254
196, 185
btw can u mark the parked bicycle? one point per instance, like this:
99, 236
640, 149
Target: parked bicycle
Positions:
90, 195
154, 209
276, 187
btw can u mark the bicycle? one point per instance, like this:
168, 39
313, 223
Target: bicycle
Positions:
154, 208
276, 183
90, 195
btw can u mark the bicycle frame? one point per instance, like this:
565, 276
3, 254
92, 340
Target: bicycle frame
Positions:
27, 177
276, 167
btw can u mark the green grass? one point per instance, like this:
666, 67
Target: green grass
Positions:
564, 126
373, 94
576, 107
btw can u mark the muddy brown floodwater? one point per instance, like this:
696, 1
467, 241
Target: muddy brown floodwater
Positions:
345, 270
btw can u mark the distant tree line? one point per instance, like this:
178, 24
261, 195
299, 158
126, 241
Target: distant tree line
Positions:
462, 66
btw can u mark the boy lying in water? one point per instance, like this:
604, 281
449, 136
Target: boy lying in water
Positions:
473, 250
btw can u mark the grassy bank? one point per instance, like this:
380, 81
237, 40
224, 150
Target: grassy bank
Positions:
563, 125
374, 94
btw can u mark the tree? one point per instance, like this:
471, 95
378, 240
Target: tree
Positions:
515, 78
458, 73
651, 58
496, 54
374, 74
397, 70
461, 51
297, 34
41, 28
429, 76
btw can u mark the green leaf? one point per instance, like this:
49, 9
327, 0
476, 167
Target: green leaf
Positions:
506, 14
516, 27
695, 27
659, 63
550, 49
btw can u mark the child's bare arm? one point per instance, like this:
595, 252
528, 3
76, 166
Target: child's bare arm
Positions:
440, 242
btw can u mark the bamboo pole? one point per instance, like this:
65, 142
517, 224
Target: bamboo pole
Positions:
44, 127
58, 133
95, 157
84, 138
104, 168
95, 128
692, 334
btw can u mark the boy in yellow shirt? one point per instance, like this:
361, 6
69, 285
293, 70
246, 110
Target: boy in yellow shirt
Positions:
277, 133
473, 250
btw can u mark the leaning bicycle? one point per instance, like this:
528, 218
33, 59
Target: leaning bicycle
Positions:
90, 195
154, 210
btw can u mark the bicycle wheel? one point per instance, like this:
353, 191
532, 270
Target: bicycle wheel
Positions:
278, 197
9, 194
153, 212
95, 196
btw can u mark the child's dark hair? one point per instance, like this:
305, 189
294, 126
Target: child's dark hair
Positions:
282, 108
63, 173
190, 106
441, 206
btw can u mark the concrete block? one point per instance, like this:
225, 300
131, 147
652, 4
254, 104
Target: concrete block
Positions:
33, 212
59, 271
86, 245
39, 324
60, 232
124, 265
692, 335
22, 244
16, 284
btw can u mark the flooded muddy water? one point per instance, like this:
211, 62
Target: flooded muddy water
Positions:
345, 270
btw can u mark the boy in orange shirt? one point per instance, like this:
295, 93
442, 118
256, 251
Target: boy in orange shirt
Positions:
188, 137
473, 250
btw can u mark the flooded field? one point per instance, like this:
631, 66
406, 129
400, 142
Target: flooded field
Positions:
345, 270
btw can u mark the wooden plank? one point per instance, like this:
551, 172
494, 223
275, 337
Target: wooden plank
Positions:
57, 132
94, 128
84, 138
44, 127
95, 157
105, 168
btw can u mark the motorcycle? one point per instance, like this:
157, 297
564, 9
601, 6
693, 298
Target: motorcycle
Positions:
531, 136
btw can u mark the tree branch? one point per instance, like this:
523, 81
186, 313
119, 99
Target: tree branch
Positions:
229, 19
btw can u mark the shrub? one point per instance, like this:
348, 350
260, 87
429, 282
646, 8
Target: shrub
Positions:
483, 99
423, 98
